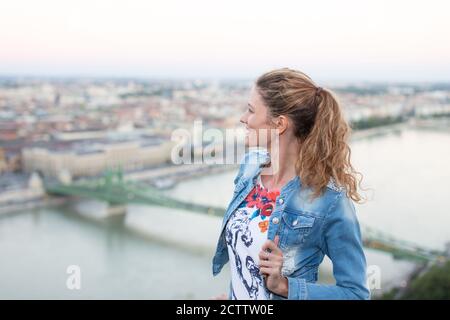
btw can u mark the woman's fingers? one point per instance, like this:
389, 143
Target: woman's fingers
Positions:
269, 245
266, 263
267, 271
270, 258
264, 255
276, 240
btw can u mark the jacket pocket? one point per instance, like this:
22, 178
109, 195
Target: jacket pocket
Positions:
298, 226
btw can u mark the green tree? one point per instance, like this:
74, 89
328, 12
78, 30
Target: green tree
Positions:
434, 284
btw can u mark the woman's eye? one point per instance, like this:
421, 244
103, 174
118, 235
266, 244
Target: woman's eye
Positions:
250, 110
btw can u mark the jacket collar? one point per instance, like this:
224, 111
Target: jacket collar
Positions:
263, 159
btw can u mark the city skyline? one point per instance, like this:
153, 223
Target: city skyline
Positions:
347, 41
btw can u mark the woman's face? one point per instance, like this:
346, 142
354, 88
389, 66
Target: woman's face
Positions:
256, 121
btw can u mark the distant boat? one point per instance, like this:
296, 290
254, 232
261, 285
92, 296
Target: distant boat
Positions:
165, 183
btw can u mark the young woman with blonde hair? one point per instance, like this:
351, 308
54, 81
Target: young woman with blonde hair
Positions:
281, 222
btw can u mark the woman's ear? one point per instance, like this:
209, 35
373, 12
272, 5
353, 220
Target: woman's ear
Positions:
282, 124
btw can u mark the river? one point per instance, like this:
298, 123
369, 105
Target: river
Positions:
159, 253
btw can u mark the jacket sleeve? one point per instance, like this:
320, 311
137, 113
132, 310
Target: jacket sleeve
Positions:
341, 242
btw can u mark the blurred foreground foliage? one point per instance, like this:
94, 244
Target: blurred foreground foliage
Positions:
434, 284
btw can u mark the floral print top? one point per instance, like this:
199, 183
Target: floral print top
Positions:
245, 233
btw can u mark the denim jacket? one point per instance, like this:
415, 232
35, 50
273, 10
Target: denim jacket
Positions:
308, 230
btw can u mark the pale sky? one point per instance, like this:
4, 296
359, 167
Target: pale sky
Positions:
373, 40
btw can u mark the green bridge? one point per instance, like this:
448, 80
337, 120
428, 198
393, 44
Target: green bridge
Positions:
115, 190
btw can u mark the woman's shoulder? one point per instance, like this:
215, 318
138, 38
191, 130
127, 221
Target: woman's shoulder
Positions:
332, 201
342, 209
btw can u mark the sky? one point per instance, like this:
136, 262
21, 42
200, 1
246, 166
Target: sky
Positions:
345, 40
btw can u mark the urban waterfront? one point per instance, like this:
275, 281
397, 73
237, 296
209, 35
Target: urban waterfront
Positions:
159, 253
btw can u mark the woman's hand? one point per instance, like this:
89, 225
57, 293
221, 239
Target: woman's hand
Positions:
270, 264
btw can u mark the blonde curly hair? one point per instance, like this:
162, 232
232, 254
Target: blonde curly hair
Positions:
318, 124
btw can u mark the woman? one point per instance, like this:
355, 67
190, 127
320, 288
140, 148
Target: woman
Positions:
292, 202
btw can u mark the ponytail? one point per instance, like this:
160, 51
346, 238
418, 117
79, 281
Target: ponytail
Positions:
324, 153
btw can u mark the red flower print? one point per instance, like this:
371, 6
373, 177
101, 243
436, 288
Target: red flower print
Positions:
272, 195
259, 197
254, 198
267, 209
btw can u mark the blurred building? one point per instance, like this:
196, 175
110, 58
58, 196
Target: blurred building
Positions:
92, 158
20, 189
3, 165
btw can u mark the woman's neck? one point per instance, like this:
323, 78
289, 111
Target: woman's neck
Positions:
282, 166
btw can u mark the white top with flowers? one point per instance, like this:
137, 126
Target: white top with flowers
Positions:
245, 233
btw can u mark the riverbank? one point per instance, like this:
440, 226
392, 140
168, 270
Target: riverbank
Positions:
173, 173
46, 202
